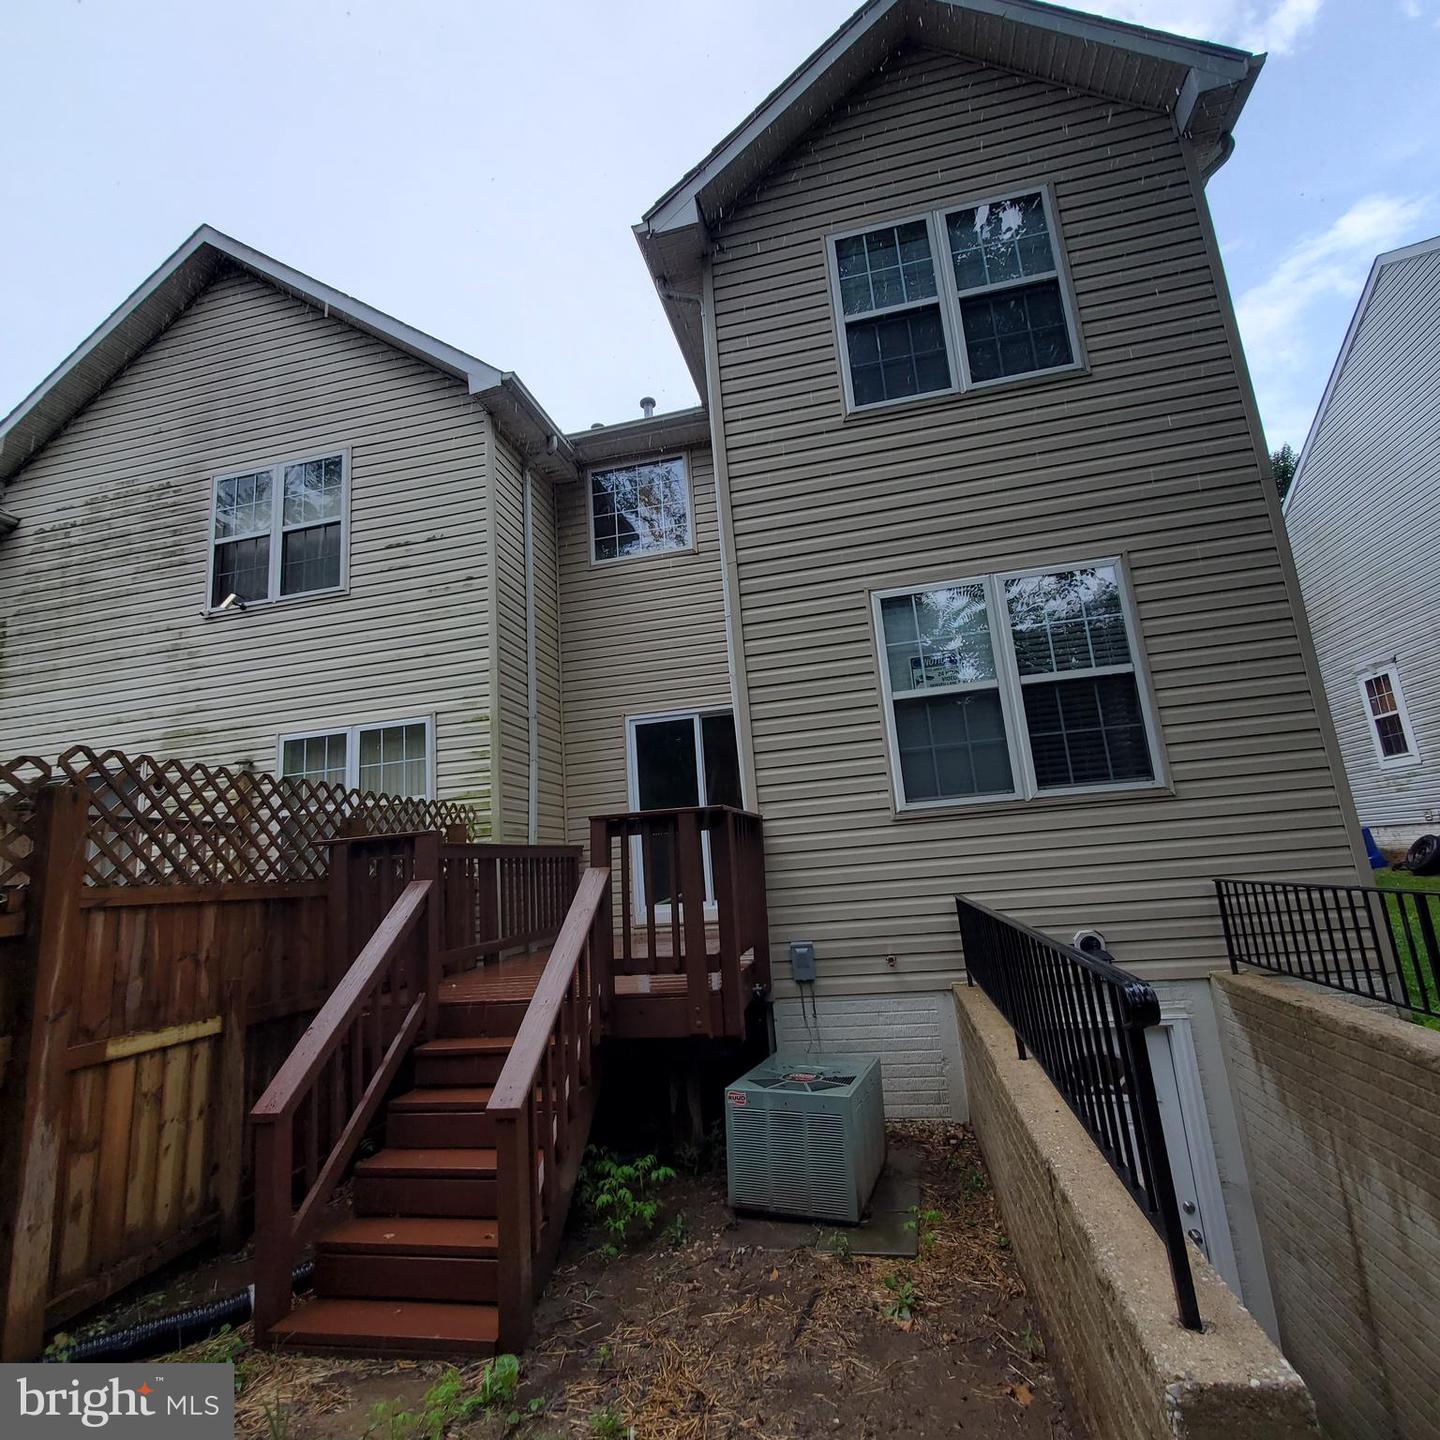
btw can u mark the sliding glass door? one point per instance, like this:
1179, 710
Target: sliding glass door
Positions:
677, 761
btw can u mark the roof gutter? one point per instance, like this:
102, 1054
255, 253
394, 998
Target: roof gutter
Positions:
541, 439
1223, 151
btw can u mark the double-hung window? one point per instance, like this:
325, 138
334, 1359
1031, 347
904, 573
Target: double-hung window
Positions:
960, 297
279, 531
641, 509
394, 758
1014, 685
1388, 717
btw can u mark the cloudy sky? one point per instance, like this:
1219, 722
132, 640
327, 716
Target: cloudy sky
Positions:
474, 167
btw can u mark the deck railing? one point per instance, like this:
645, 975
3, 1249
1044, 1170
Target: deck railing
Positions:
689, 886
1379, 944
537, 1100
315, 1111
1084, 1020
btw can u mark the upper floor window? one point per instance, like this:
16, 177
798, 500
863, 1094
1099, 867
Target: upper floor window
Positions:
280, 530
995, 306
641, 509
1389, 719
389, 759
1014, 685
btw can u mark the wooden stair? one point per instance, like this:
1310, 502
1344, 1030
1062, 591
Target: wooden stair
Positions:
414, 1272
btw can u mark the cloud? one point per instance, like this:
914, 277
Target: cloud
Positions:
1323, 272
1274, 25
1411, 9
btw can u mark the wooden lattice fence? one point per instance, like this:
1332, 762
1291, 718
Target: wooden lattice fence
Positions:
168, 922
173, 822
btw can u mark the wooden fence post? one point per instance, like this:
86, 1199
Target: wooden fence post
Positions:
229, 1135
62, 821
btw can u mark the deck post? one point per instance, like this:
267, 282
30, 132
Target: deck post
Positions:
603, 935
432, 938
724, 853
514, 1196
274, 1251
690, 895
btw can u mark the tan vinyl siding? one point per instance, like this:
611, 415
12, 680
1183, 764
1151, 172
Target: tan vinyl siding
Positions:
1149, 456
639, 636
102, 587
512, 667
1365, 526
547, 659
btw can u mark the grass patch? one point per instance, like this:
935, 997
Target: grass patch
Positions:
1422, 987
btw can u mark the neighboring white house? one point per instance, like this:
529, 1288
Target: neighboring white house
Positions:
1364, 522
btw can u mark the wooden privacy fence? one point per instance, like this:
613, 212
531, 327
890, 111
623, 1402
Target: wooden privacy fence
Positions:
167, 932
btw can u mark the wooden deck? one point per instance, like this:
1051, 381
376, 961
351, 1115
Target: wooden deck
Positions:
513, 981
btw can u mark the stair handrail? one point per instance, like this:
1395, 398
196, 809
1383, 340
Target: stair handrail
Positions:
383, 971
534, 1102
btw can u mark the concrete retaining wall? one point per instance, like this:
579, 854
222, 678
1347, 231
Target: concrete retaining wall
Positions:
1099, 1277
1340, 1114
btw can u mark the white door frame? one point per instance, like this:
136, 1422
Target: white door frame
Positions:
632, 790
1200, 1147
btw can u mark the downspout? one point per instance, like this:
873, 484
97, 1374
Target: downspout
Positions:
729, 580
532, 679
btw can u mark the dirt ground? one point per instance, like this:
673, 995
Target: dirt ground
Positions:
696, 1336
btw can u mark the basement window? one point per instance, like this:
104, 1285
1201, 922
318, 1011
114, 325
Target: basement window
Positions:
641, 509
1014, 685
394, 758
997, 306
279, 531
1389, 718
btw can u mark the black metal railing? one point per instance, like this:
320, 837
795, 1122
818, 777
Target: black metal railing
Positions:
1084, 1019
1380, 944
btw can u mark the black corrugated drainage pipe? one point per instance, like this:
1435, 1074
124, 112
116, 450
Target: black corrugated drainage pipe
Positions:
174, 1332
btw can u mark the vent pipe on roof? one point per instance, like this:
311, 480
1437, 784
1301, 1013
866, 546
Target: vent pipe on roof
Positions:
647, 405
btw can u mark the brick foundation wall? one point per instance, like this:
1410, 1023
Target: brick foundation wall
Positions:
913, 1034
1099, 1277
1340, 1115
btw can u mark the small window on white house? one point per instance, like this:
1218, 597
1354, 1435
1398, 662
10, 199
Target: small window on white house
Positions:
640, 509
279, 531
389, 759
1014, 685
1388, 717
913, 325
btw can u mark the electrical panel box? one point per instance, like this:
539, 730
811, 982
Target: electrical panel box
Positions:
802, 962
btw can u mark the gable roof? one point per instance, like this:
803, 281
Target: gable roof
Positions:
1389, 257
1202, 85
151, 309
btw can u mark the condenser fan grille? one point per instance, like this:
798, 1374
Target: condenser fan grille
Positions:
806, 1082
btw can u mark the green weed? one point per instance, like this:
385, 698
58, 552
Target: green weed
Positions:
906, 1301
606, 1424
622, 1195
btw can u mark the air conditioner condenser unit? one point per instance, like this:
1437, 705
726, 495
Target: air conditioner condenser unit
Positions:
805, 1135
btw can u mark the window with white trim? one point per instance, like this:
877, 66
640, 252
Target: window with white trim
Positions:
1000, 308
279, 531
641, 509
1389, 719
388, 759
1014, 685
